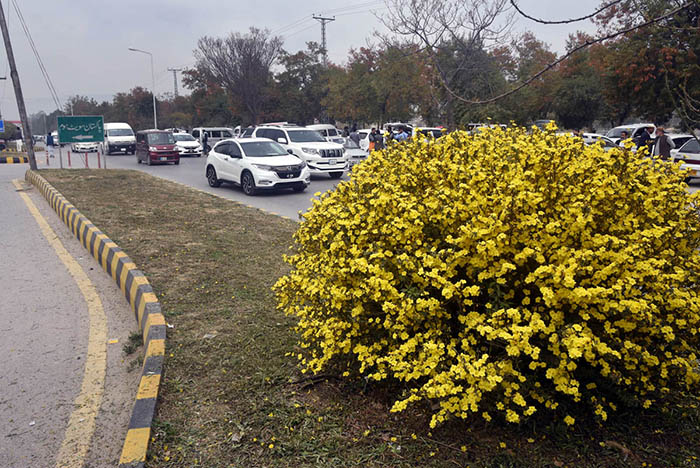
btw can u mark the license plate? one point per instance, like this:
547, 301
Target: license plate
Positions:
331, 162
163, 158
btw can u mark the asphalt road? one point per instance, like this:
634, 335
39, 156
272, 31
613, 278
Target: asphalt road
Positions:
190, 172
45, 327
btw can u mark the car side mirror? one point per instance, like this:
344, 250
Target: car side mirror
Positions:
282, 140
290, 151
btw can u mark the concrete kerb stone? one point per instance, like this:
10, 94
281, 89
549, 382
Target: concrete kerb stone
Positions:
14, 160
144, 303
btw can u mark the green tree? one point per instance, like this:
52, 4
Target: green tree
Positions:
578, 98
302, 85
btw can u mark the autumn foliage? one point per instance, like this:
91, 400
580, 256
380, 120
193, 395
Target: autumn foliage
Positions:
504, 274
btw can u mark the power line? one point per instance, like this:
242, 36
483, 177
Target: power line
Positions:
44, 72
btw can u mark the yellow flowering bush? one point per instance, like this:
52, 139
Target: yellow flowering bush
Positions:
502, 274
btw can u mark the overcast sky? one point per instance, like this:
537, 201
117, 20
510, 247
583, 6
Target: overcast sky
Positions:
84, 43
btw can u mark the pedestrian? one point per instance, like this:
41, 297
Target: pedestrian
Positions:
346, 131
354, 128
205, 140
663, 144
402, 135
371, 137
624, 135
644, 139
389, 135
378, 141
50, 144
354, 136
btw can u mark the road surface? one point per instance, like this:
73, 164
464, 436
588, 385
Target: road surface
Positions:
66, 390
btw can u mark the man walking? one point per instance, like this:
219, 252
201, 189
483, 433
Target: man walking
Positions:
663, 144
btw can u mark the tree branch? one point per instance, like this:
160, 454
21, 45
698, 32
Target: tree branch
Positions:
568, 21
573, 51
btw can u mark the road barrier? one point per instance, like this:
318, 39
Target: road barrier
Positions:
144, 303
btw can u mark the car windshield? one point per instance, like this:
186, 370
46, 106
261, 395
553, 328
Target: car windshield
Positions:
184, 137
350, 144
692, 146
261, 149
120, 132
617, 132
433, 133
305, 136
160, 139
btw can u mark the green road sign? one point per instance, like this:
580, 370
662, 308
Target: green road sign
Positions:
80, 128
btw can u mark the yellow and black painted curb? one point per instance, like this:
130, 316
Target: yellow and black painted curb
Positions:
144, 303
14, 159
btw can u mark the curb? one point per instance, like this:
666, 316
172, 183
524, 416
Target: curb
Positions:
13, 160
139, 294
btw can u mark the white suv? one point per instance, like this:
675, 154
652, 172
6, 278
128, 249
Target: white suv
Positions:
321, 156
254, 164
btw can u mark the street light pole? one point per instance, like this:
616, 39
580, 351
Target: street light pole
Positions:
153, 86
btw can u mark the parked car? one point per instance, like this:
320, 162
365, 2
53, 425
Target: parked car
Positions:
214, 134
364, 138
156, 147
329, 132
256, 164
679, 139
354, 153
689, 156
321, 156
81, 147
593, 138
119, 138
430, 132
633, 131
187, 145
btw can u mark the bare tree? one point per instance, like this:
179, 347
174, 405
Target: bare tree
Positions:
451, 33
240, 64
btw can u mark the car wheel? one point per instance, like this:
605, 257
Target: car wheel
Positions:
299, 188
248, 183
336, 175
211, 177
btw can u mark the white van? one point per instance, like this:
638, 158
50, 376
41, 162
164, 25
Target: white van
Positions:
119, 138
329, 132
214, 134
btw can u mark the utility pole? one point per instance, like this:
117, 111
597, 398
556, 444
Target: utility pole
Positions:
323, 22
26, 131
175, 70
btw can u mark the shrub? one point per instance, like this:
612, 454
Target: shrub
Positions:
503, 274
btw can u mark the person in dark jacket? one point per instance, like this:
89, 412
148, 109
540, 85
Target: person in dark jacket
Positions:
645, 139
378, 140
205, 140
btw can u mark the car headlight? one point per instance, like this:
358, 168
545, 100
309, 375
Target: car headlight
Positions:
152, 148
310, 150
264, 167
302, 164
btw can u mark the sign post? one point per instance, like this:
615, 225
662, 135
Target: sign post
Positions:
81, 129
2, 126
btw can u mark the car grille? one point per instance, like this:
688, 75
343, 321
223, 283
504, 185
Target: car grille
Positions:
331, 153
288, 172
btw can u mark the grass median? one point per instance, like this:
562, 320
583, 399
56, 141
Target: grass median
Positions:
232, 394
